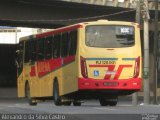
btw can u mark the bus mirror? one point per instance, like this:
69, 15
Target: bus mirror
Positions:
17, 52
17, 58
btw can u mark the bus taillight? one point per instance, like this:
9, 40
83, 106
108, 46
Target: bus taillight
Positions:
137, 67
84, 71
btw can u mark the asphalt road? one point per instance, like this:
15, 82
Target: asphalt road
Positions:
90, 110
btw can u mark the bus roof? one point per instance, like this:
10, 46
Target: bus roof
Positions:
62, 29
73, 27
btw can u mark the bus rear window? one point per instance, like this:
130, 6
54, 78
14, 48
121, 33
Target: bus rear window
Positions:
111, 36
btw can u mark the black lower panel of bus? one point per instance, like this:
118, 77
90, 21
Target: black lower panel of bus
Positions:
7, 65
92, 94
95, 94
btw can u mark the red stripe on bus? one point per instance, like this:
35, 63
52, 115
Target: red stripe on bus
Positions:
110, 68
101, 65
120, 68
68, 59
47, 66
55, 63
33, 71
100, 84
59, 31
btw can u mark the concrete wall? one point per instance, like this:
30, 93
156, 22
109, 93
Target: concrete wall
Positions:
11, 35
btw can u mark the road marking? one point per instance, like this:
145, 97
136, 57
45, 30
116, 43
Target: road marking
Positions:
11, 106
123, 105
2, 107
103, 108
21, 106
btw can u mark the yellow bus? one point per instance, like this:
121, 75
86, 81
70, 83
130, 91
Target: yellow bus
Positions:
98, 60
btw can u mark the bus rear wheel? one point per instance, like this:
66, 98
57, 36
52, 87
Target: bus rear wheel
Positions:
56, 97
76, 103
67, 103
108, 101
112, 103
31, 101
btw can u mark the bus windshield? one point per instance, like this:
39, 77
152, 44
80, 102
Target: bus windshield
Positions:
110, 36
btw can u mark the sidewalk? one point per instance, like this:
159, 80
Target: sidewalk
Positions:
8, 93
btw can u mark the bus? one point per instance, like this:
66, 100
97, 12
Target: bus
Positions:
90, 60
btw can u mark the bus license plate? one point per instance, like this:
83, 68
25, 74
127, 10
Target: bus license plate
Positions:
110, 84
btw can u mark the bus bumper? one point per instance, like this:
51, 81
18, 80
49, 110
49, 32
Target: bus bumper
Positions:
122, 84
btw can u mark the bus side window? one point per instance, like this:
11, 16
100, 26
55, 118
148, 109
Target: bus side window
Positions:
27, 52
65, 43
48, 47
40, 49
33, 49
73, 43
56, 42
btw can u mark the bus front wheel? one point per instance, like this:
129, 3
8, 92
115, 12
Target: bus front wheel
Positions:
31, 101
110, 102
56, 97
76, 103
67, 103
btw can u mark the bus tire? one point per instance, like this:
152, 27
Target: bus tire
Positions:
76, 103
67, 103
110, 102
31, 101
56, 97
103, 102
113, 102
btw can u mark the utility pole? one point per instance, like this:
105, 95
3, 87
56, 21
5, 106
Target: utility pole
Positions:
138, 20
155, 53
146, 17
